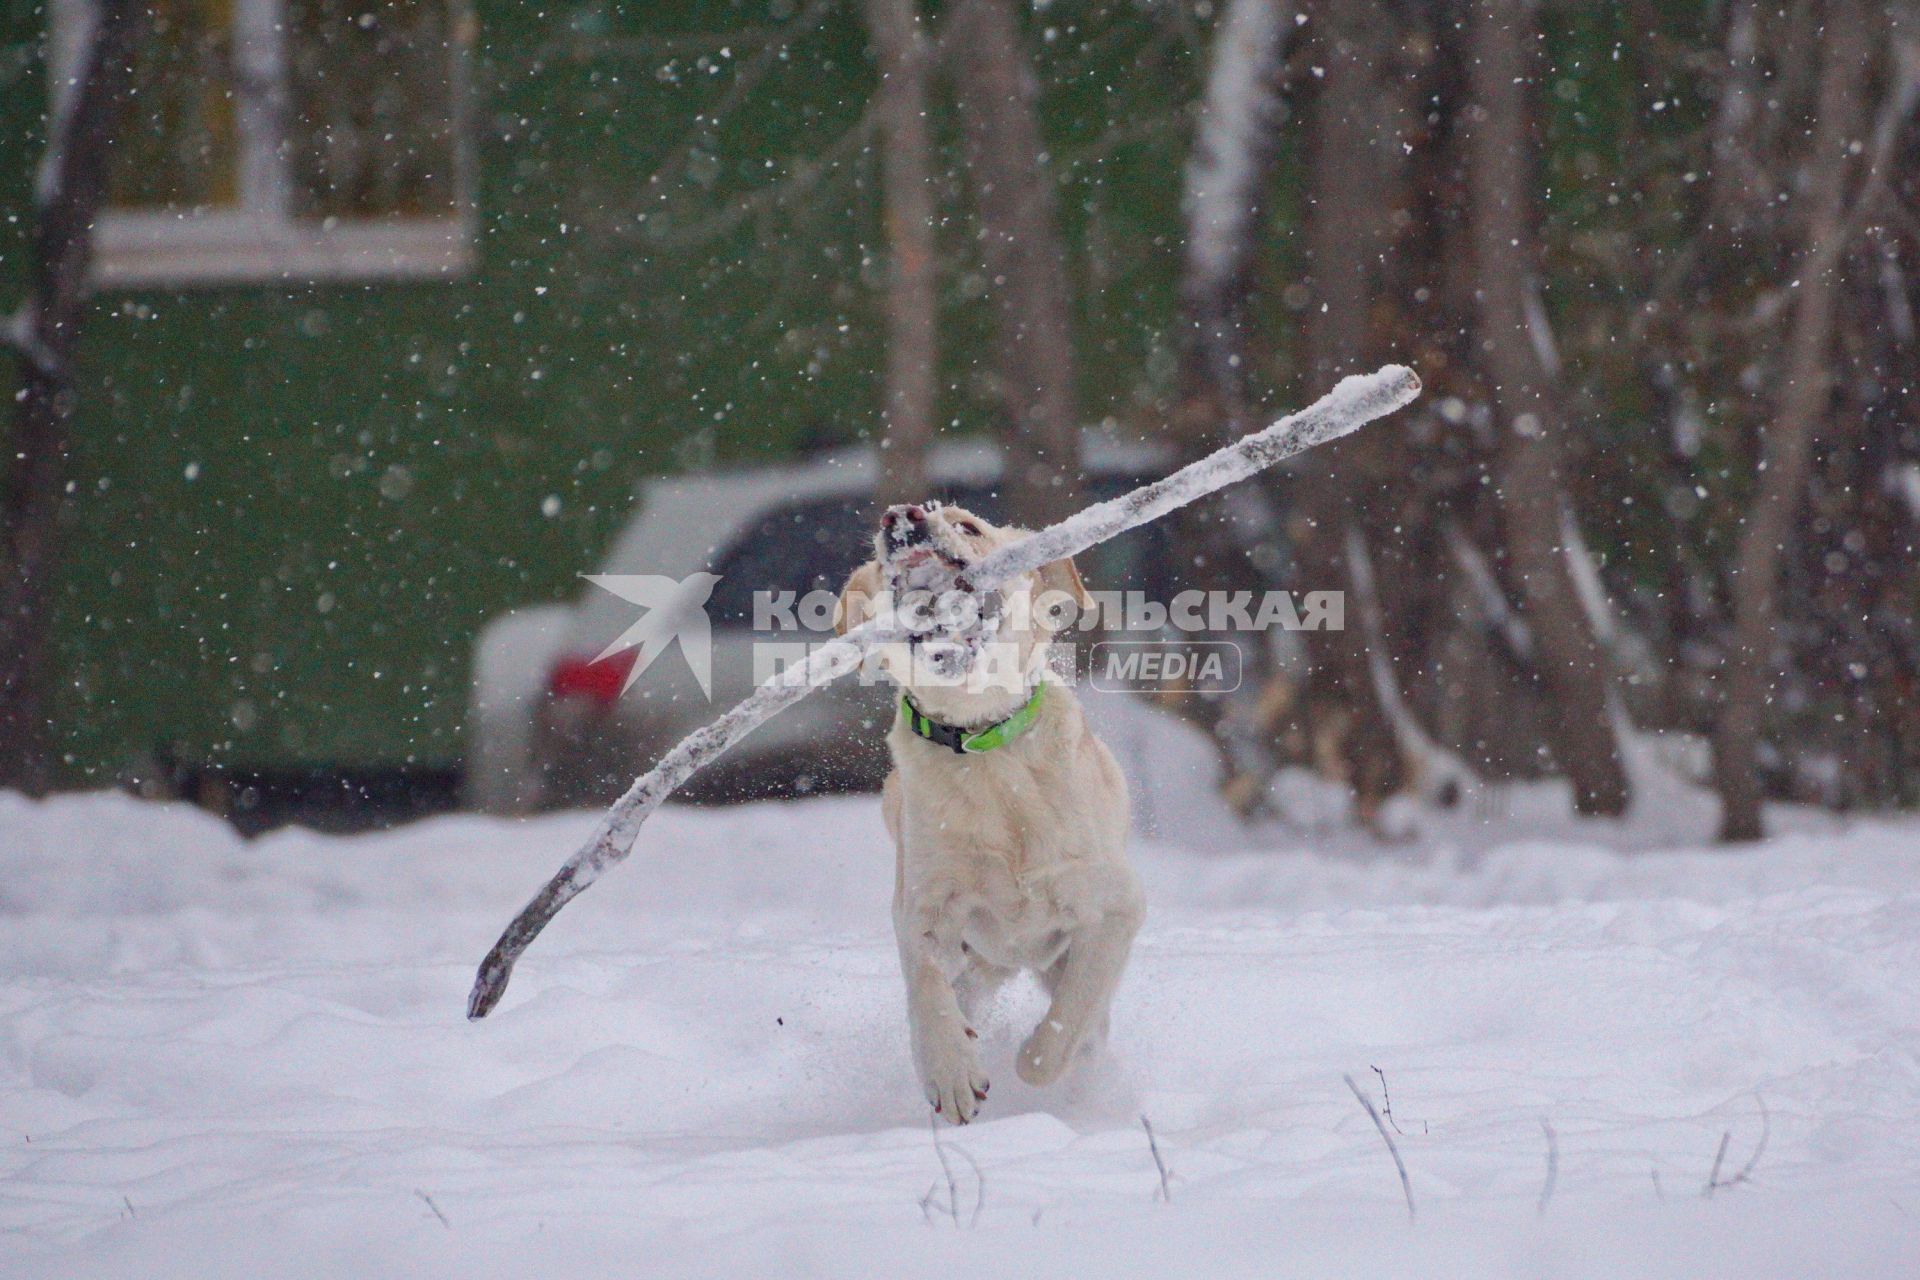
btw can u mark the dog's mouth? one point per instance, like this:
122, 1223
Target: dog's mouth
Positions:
927, 568
948, 626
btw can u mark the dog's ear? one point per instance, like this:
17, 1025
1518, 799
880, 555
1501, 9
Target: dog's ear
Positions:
1061, 575
856, 598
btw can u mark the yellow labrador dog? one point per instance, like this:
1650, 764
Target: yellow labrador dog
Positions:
1008, 816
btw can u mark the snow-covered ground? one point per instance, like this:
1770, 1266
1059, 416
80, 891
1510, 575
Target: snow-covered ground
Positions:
230, 1059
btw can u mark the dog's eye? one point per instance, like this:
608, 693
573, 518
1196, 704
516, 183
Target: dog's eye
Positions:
967, 527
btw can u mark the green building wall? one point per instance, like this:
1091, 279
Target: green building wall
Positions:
293, 508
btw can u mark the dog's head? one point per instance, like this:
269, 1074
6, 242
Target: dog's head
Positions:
970, 652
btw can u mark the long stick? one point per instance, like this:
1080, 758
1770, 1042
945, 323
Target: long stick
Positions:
1406, 1187
1355, 402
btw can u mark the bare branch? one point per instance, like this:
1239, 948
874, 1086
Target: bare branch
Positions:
436, 1208
979, 1186
1406, 1186
1713, 1174
1495, 609
946, 1169
928, 1202
1386, 1101
1153, 1145
1901, 97
1714, 1181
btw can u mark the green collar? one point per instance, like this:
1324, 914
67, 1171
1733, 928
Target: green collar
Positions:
963, 742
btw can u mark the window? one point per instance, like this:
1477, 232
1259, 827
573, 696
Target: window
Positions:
287, 141
814, 543
799, 547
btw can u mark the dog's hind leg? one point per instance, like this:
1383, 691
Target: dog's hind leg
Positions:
1082, 983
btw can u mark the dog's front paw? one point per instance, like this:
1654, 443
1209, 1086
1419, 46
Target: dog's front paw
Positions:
954, 1083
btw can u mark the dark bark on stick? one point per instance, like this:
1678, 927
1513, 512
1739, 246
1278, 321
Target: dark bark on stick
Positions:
1786, 449
1502, 45
32, 492
1024, 258
912, 302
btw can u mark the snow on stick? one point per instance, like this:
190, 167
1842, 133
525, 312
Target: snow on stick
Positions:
1350, 405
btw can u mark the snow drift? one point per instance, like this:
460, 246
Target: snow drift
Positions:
225, 1059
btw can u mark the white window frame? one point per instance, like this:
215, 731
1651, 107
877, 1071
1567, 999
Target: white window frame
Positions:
260, 241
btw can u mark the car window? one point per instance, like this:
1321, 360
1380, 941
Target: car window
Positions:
815, 543
798, 547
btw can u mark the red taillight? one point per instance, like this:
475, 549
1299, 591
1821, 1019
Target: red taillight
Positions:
584, 678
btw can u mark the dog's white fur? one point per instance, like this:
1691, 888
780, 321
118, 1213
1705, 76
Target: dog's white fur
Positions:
1009, 859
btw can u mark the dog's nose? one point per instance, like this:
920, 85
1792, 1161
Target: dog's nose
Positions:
906, 524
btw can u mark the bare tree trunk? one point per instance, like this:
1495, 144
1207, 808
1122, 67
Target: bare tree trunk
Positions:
1345, 231
1025, 261
1226, 176
1231, 542
1502, 44
912, 303
71, 192
1787, 444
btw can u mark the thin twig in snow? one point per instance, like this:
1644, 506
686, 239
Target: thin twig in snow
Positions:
1714, 1182
436, 1208
1153, 1145
927, 1202
1553, 1166
1386, 1102
946, 1168
979, 1187
1713, 1174
1399, 1164
131, 1211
